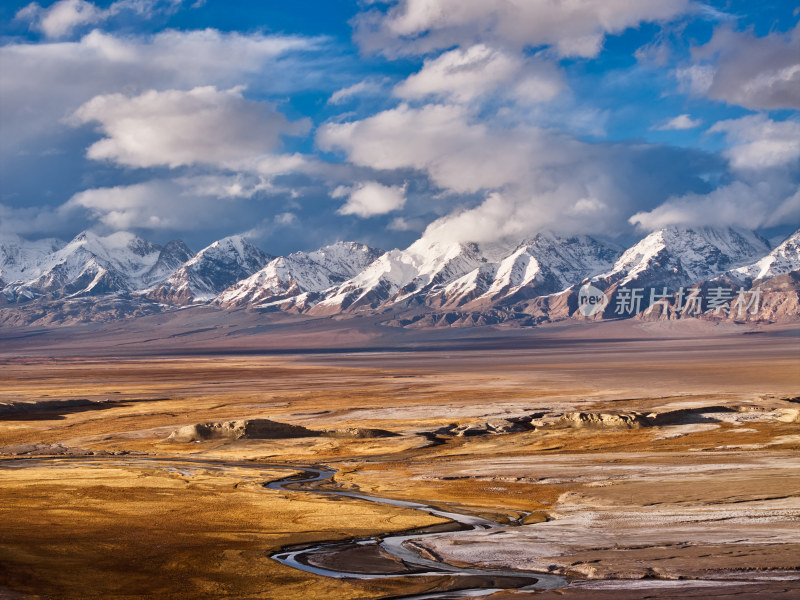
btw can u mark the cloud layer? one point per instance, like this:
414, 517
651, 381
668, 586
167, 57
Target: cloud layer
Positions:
186, 203
42, 83
758, 142
463, 75
754, 72
531, 178
570, 28
175, 128
751, 206
470, 120
61, 18
370, 198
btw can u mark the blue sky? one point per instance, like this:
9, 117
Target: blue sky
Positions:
303, 123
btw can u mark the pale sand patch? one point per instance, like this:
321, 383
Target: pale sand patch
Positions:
675, 431
637, 518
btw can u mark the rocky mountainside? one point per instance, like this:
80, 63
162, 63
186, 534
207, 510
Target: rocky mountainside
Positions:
430, 283
87, 265
764, 289
210, 271
172, 257
403, 276
676, 256
545, 264
784, 259
21, 260
300, 273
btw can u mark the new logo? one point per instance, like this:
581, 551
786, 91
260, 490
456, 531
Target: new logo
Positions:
591, 300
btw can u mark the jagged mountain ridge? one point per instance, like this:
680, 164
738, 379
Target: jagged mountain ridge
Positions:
300, 273
451, 282
22, 259
172, 257
401, 276
784, 259
545, 264
210, 271
89, 265
680, 256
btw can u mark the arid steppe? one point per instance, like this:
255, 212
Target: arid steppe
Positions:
658, 463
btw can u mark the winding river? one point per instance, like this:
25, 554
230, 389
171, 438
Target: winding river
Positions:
301, 557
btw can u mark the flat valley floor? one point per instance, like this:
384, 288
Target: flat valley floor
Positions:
654, 465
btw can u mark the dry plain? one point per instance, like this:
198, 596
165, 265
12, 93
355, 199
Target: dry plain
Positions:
662, 464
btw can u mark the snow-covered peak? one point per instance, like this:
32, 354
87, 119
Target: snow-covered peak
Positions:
173, 255
398, 275
234, 248
122, 251
347, 276
92, 264
544, 264
439, 262
785, 258
118, 246
685, 255
119, 241
299, 273
22, 259
343, 258
553, 262
216, 267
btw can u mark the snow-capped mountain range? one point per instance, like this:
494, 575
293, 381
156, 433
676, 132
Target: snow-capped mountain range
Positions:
544, 264
351, 278
210, 271
299, 274
22, 259
87, 265
676, 256
781, 261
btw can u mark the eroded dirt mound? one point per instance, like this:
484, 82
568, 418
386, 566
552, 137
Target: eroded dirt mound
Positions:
358, 432
591, 419
495, 427
788, 415
737, 415
254, 429
266, 429
56, 449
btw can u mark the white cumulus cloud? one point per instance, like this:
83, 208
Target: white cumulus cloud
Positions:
679, 123
741, 204
370, 198
61, 18
530, 178
184, 203
759, 142
174, 128
742, 69
42, 83
458, 153
461, 75
570, 27
150, 205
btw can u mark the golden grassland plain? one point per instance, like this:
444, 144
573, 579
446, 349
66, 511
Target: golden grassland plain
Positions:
711, 497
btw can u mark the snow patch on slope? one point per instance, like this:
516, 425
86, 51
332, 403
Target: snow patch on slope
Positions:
299, 273
785, 258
